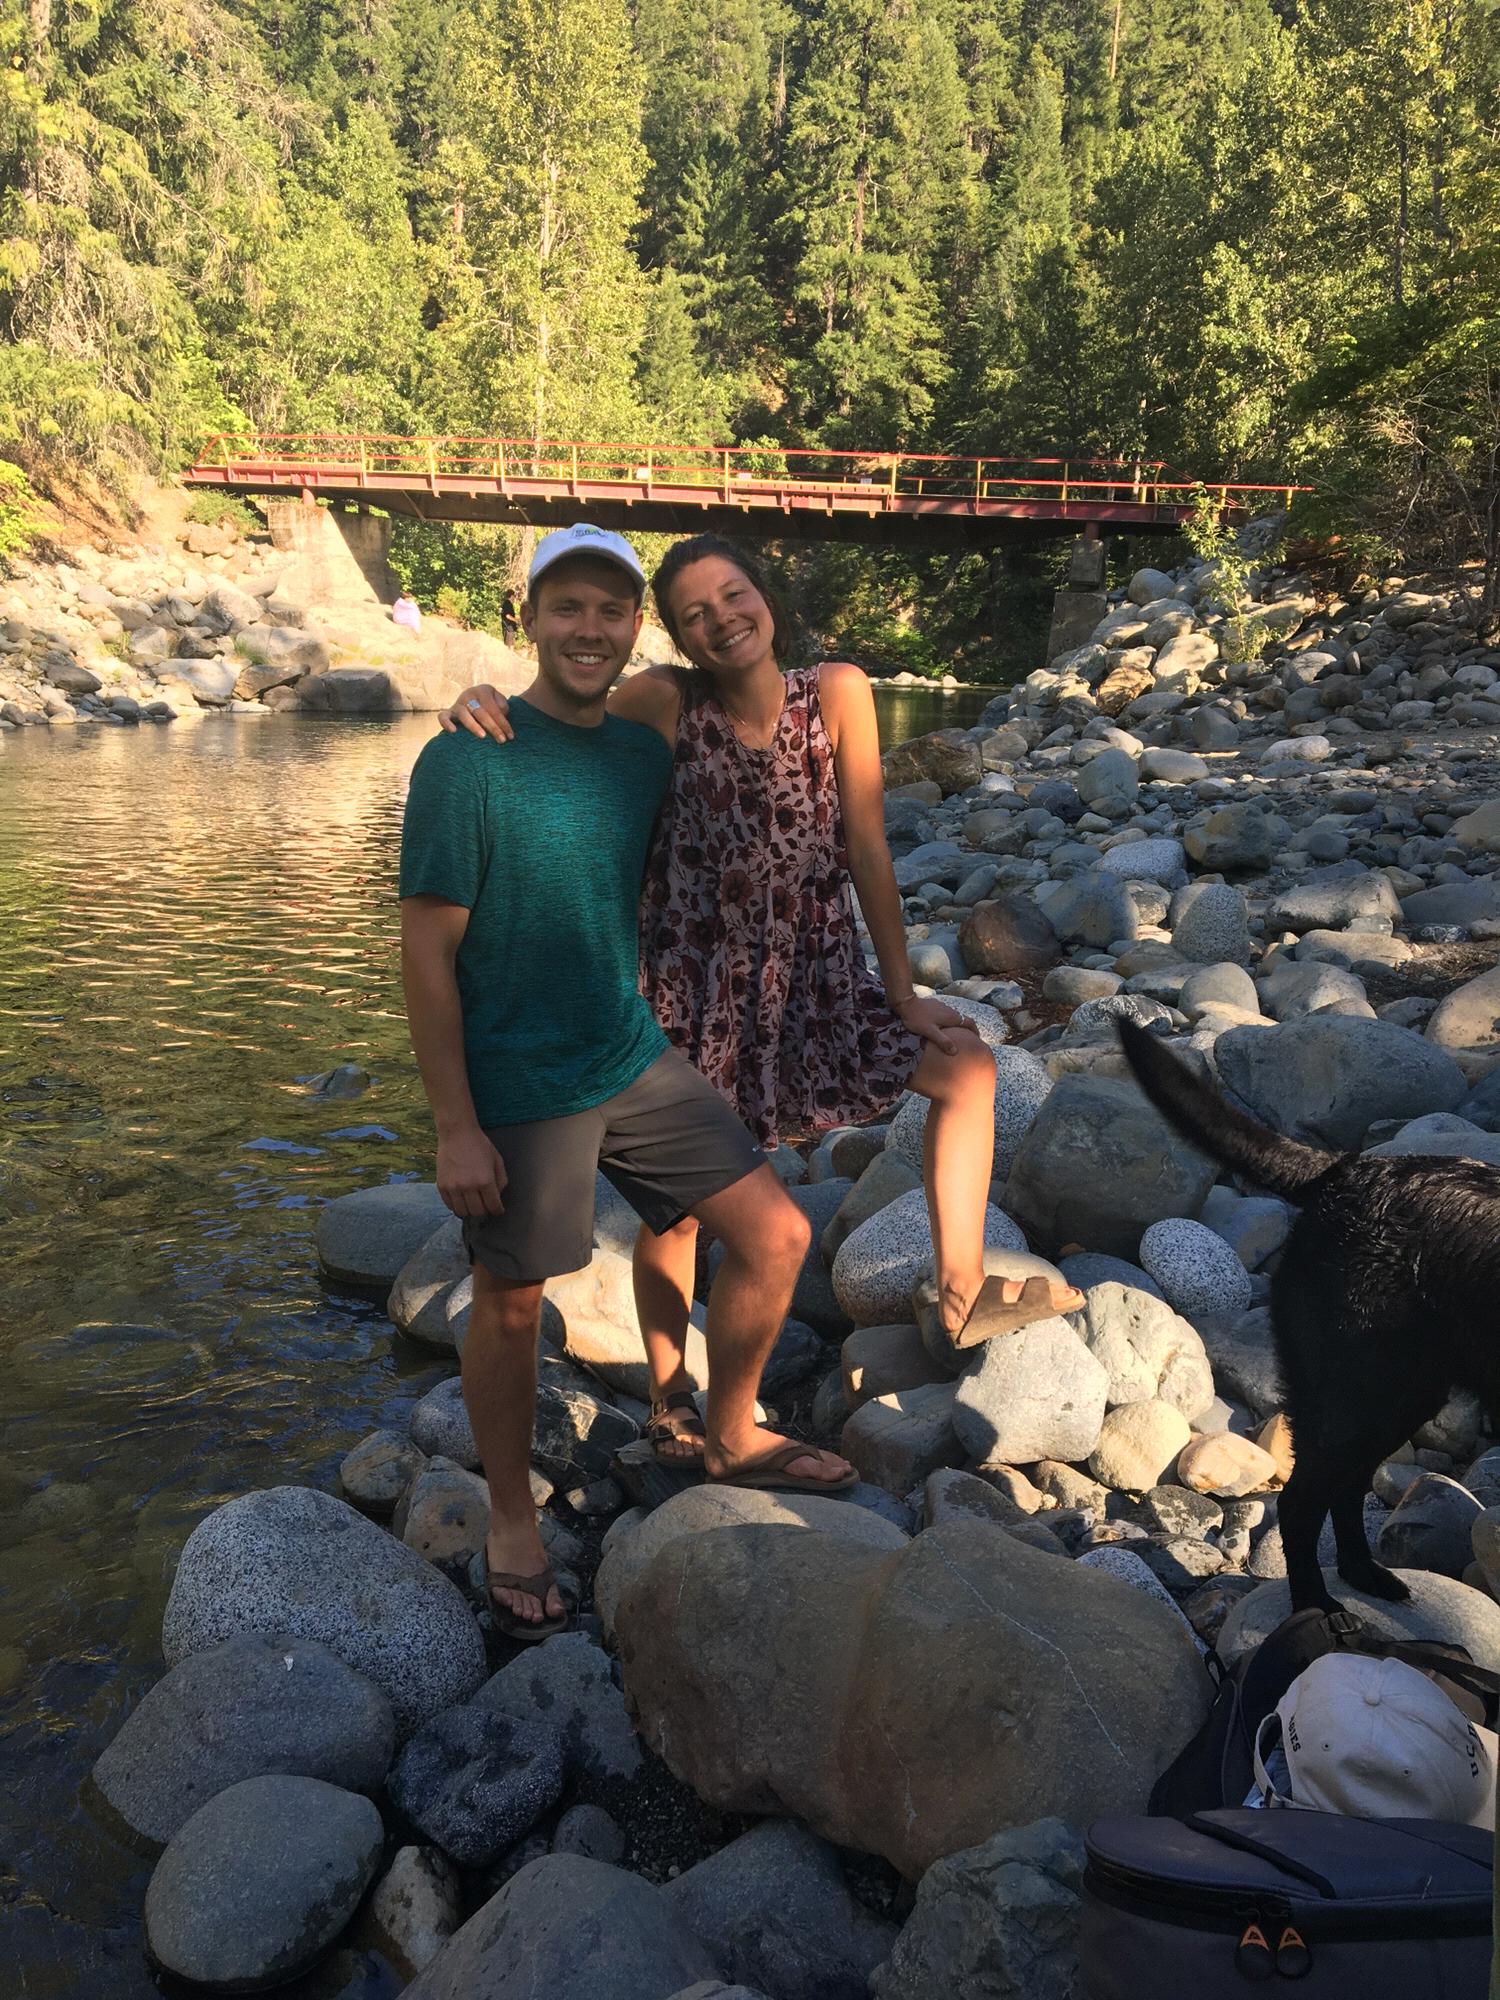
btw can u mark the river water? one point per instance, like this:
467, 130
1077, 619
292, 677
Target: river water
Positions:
194, 920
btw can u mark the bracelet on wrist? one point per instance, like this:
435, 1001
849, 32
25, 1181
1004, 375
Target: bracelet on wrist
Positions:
904, 1001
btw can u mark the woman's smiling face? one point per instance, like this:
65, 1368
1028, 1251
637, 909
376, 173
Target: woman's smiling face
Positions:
725, 623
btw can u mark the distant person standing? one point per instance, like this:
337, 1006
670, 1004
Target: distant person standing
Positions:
510, 626
406, 611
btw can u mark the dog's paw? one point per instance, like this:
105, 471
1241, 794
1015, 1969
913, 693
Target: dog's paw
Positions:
1374, 1580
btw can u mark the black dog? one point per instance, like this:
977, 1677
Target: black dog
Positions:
1383, 1302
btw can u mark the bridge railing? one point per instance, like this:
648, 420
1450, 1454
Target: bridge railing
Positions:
370, 463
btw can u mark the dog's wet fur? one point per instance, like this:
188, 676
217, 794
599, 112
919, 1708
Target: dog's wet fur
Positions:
1383, 1302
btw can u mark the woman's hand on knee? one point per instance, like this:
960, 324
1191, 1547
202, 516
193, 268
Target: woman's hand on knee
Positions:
936, 1022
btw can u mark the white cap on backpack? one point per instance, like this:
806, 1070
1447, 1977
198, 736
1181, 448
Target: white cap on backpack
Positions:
1376, 1739
584, 539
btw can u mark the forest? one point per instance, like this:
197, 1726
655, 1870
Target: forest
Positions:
1252, 238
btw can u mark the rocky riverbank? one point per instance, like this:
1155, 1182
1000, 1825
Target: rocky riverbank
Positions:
209, 621
810, 1747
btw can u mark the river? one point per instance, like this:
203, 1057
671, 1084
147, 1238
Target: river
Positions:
193, 921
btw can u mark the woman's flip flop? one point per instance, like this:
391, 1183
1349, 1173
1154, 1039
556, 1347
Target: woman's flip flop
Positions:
769, 1474
993, 1314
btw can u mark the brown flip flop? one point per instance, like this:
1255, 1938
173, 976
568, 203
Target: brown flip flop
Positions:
507, 1623
993, 1314
768, 1473
675, 1417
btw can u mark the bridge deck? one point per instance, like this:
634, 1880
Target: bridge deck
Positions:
678, 489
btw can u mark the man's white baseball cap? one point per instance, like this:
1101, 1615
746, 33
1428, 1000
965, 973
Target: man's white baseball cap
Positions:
583, 539
1378, 1740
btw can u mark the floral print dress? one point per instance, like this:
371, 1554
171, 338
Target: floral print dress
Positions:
750, 958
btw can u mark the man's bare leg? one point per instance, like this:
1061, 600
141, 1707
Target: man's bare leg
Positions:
663, 1268
765, 1237
499, 1383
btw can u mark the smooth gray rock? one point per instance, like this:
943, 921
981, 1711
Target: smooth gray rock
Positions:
440, 1425
589, 1831
1093, 908
298, 1561
1469, 1018
1210, 924
1483, 1477
566, 1928
1146, 1349
1430, 1527
1158, 861
1439, 1609
417, 1906
1332, 898
1461, 903
476, 1778
1233, 838
254, 1706
1243, 1357
1326, 1078
814, 1301
1087, 1268
260, 1881
378, 1470
1021, 1087
878, 1264
1196, 1268
895, 1440
569, 1682
1034, 1394
1138, 1445
1220, 984
363, 1239
1110, 775
774, 1911
1253, 1225
1099, 1166
1294, 987
434, 1290
887, 1177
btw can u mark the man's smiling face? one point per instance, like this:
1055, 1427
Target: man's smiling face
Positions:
583, 621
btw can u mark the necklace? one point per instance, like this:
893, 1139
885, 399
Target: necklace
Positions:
739, 727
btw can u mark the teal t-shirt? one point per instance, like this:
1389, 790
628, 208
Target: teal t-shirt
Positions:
544, 842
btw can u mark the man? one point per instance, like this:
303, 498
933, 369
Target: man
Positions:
520, 878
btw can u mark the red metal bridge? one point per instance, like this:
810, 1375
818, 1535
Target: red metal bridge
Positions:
907, 497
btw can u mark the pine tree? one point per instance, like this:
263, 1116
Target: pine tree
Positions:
541, 163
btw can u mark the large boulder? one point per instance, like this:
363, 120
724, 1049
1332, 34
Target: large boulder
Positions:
253, 1706
364, 1239
1327, 1077
909, 1703
434, 1290
994, 1922
260, 1881
947, 758
774, 1911
569, 1681
1454, 903
699, 1509
475, 1778
878, 1264
1332, 898
297, 1561
1099, 1166
566, 1928
1093, 908
1232, 838
1470, 1016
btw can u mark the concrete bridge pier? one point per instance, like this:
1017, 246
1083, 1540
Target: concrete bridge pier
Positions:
340, 556
1081, 603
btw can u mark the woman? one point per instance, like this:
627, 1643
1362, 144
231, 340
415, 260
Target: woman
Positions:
750, 956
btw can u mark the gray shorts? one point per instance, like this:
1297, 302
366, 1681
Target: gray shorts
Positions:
667, 1142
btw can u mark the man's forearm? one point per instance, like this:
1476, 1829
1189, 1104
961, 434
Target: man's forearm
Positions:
435, 1017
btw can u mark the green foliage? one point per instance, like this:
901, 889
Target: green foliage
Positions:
1211, 539
1260, 241
460, 571
18, 517
214, 509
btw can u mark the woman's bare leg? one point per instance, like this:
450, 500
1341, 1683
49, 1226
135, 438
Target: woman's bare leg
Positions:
958, 1147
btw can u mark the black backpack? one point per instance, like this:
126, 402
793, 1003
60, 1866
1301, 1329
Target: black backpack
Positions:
1217, 1769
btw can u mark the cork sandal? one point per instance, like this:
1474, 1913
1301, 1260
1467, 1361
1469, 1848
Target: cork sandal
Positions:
993, 1314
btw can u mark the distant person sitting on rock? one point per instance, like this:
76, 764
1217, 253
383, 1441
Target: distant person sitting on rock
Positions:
520, 884
750, 954
406, 611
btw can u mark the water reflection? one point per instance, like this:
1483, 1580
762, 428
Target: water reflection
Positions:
191, 920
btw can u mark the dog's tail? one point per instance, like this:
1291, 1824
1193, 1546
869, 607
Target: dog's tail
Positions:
1197, 1111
